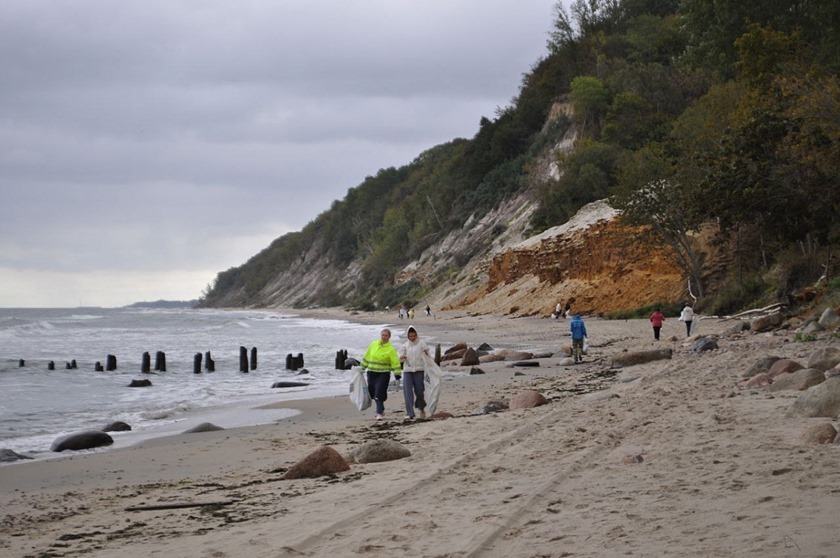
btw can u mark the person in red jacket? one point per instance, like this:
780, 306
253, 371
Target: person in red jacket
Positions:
657, 319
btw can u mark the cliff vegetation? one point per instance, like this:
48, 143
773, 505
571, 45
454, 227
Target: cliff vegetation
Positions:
659, 150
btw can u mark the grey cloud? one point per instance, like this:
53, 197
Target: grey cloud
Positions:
141, 135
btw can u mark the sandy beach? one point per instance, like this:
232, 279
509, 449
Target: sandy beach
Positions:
669, 458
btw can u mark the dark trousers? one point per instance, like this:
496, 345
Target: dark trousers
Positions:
688, 328
414, 391
378, 388
656, 332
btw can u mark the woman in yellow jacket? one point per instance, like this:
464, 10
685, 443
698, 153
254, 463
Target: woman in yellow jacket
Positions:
379, 360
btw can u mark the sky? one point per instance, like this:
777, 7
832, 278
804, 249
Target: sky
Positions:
146, 145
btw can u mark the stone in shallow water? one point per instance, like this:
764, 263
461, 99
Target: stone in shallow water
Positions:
7, 455
81, 441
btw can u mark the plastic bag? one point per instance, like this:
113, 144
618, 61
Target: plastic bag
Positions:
586, 345
359, 394
434, 377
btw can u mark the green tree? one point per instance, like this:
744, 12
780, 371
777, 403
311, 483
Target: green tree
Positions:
648, 196
590, 99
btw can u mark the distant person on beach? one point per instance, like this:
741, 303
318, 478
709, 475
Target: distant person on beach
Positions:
578, 329
657, 319
379, 360
687, 316
411, 314
428, 310
411, 354
558, 311
568, 309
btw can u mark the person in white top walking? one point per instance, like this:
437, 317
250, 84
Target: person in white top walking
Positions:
414, 390
687, 316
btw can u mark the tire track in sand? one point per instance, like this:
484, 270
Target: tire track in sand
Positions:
482, 475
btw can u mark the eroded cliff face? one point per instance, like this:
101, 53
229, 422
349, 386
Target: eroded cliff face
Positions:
491, 266
593, 259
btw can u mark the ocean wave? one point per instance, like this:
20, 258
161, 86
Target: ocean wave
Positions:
168, 412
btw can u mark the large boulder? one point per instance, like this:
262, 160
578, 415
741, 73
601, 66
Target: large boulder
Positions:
288, 384
822, 400
812, 326
492, 357
517, 355
7, 456
766, 323
761, 366
640, 357
784, 366
379, 450
829, 319
759, 380
140, 383
797, 381
203, 427
454, 355
455, 352
117, 426
470, 358
825, 358
823, 433
527, 400
81, 441
703, 344
323, 461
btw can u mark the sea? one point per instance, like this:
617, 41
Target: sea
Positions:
39, 405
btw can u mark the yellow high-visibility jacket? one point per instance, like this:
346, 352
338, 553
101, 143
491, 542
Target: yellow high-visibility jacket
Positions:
381, 357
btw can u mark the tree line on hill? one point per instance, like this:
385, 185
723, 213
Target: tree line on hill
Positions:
690, 114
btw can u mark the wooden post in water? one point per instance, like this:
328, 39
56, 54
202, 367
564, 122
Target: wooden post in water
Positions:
110, 363
209, 363
21, 363
197, 363
73, 364
253, 358
146, 365
160, 361
243, 359
340, 359
300, 360
51, 365
98, 367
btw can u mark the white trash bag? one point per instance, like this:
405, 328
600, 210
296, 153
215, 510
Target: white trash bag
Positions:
434, 377
359, 394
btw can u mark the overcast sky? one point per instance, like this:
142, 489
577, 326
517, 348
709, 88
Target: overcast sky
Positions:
146, 145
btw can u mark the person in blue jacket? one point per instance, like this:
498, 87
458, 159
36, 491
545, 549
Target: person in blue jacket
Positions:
578, 330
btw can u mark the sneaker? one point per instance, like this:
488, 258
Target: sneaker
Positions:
379, 417
422, 413
409, 417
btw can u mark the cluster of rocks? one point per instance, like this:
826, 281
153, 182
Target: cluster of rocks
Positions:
92, 439
469, 356
818, 380
828, 320
326, 461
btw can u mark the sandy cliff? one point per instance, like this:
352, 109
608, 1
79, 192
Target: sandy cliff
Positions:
594, 258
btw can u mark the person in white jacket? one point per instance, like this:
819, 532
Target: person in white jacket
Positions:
687, 316
411, 354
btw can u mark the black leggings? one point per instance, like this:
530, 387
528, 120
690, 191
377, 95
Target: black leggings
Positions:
378, 388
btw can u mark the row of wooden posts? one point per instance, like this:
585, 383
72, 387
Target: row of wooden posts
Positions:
293, 362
